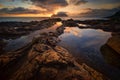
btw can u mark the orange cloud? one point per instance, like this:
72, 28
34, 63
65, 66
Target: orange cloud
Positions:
1, 5
20, 11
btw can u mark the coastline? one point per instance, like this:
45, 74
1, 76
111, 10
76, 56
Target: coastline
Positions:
36, 51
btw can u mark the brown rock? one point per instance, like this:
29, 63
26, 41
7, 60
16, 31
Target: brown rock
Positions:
114, 43
54, 64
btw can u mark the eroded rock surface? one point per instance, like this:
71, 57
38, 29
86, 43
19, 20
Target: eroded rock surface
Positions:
44, 60
46, 63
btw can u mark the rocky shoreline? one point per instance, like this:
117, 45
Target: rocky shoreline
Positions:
43, 59
13, 30
111, 50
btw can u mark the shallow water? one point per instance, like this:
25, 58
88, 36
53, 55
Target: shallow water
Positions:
85, 45
14, 44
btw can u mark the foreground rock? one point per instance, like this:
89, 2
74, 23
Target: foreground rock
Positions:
111, 56
46, 63
43, 60
114, 42
111, 50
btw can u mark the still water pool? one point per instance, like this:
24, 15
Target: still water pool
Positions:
85, 45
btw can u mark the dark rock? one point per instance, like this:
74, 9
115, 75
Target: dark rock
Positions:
10, 30
70, 23
116, 16
114, 43
54, 64
44, 62
111, 50
111, 56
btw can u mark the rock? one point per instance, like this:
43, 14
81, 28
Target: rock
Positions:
13, 30
60, 30
54, 64
70, 23
49, 38
42, 59
115, 16
2, 45
114, 43
45, 62
111, 50
41, 47
110, 56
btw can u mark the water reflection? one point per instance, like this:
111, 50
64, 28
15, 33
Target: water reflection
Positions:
74, 31
24, 40
83, 25
85, 45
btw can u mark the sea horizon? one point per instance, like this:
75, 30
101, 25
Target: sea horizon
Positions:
29, 19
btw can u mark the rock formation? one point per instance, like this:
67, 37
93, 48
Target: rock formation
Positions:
111, 50
44, 60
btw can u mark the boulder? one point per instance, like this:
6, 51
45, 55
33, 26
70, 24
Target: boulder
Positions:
46, 63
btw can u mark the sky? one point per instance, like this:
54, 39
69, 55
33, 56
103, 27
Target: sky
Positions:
58, 8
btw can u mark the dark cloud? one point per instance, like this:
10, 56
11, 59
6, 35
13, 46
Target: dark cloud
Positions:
99, 12
50, 5
104, 1
77, 2
60, 14
6, 0
18, 10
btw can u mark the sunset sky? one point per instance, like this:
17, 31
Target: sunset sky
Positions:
59, 8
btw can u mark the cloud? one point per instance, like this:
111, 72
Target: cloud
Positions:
60, 14
50, 5
18, 10
6, 0
1, 5
77, 2
99, 12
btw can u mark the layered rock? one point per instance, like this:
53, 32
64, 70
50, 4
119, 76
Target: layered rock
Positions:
46, 63
43, 60
13, 30
114, 42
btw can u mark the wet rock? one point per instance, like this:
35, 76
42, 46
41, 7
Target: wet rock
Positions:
114, 43
13, 30
60, 30
43, 60
49, 38
70, 23
106, 25
54, 64
2, 45
115, 16
110, 55
111, 50
41, 48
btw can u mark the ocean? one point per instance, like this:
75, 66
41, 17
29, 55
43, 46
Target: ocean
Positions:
28, 19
